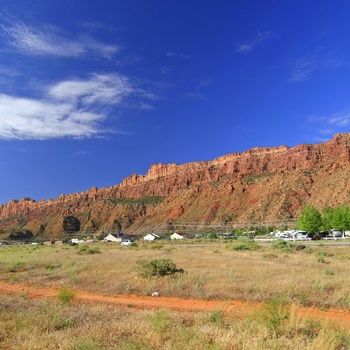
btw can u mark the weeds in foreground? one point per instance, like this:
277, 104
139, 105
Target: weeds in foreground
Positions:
17, 266
33, 324
321, 255
55, 318
212, 272
275, 314
65, 296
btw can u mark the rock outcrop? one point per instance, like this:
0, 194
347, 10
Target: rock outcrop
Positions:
261, 186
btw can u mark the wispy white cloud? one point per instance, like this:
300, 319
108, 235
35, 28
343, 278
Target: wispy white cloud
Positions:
247, 46
330, 125
80, 153
194, 96
204, 83
49, 41
95, 26
8, 74
325, 131
340, 119
100, 89
302, 70
74, 108
174, 54
166, 70
305, 67
145, 106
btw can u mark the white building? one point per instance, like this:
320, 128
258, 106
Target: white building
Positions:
112, 238
180, 236
151, 237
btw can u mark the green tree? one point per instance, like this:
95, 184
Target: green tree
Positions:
327, 214
310, 220
341, 218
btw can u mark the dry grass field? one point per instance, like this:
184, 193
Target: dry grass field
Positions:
280, 275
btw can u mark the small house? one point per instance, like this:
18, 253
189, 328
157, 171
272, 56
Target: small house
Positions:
180, 236
153, 237
77, 241
111, 237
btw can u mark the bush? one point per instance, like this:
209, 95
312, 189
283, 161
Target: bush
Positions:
65, 296
275, 315
243, 246
287, 247
85, 249
281, 245
156, 268
323, 254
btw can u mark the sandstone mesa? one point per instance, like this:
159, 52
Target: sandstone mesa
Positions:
261, 186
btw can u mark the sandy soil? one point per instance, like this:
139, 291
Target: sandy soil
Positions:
341, 317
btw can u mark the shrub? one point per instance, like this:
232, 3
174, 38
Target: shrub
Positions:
65, 296
49, 267
88, 250
158, 247
243, 246
299, 246
275, 315
216, 317
281, 245
156, 268
288, 246
323, 254
321, 260
270, 256
17, 266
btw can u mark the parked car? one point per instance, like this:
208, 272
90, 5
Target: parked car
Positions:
126, 242
336, 233
302, 234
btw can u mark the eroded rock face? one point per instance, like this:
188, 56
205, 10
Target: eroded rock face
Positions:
255, 186
21, 235
71, 224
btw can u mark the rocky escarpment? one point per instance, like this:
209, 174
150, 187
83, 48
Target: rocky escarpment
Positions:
258, 186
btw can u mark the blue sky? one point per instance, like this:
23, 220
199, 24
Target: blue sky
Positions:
94, 91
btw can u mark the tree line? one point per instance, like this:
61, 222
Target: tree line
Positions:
313, 221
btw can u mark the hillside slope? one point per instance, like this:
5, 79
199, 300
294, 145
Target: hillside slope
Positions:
261, 186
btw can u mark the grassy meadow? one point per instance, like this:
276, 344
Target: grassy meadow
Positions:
280, 274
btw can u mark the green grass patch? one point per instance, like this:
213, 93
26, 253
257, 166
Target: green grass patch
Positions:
256, 177
85, 249
147, 200
65, 296
243, 246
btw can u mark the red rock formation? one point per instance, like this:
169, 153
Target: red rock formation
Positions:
258, 185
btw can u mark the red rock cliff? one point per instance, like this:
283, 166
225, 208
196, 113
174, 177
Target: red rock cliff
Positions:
261, 184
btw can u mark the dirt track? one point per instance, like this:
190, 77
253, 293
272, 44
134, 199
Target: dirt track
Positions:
342, 317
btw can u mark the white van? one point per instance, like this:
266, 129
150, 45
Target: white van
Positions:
336, 233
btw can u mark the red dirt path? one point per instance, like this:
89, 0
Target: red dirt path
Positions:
341, 317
